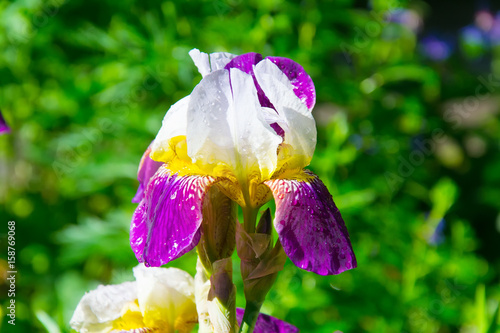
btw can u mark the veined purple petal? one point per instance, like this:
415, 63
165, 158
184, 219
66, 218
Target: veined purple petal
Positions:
245, 63
3, 125
147, 168
139, 194
267, 324
301, 81
277, 128
167, 222
310, 227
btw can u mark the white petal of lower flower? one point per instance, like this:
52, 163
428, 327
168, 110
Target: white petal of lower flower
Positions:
166, 298
210, 63
226, 125
202, 287
98, 308
174, 124
300, 129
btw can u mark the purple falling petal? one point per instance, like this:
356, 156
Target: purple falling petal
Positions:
303, 86
167, 222
267, 324
147, 168
139, 231
310, 227
4, 129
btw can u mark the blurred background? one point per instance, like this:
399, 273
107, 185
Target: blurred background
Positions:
408, 96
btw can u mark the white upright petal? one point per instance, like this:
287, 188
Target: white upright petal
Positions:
300, 129
271, 116
201, 61
210, 63
166, 297
226, 125
254, 137
218, 60
98, 308
174, 124
209, 135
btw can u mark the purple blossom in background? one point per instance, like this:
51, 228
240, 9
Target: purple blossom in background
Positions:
435, 48
484, 20
474, 39
437, 236
494, 32
472, 35
3, 125
406, 17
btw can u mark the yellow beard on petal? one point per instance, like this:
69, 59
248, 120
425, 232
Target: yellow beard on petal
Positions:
180, 319
176, 148
249, 192
130, 319
290, 163
259, 193
249, 182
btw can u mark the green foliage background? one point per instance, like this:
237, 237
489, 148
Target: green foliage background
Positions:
84, 86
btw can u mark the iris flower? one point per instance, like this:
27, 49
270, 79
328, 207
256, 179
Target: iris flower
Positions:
246, 129
160, 300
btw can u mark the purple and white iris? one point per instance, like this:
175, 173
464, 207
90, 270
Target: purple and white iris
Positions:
246, 129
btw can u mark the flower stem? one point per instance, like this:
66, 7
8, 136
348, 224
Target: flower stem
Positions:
252, 307
252, 310
249, 219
